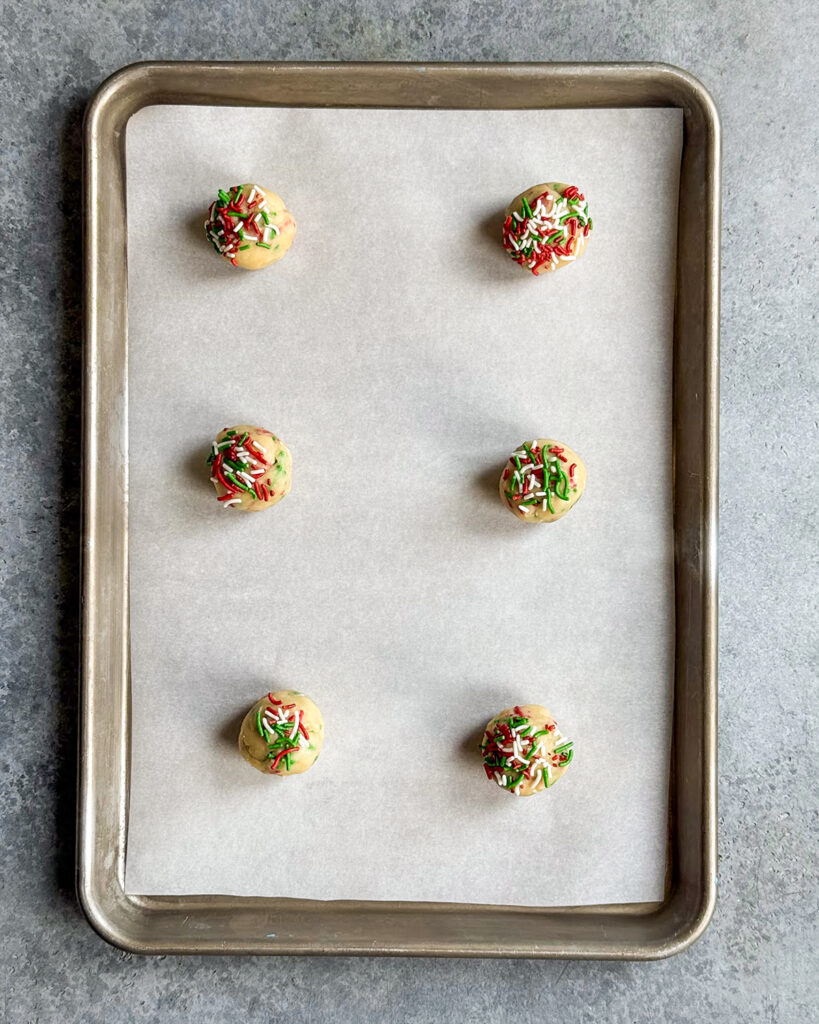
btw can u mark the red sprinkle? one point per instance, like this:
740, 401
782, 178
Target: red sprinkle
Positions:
279, 756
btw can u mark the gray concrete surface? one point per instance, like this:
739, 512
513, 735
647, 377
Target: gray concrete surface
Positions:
756, 960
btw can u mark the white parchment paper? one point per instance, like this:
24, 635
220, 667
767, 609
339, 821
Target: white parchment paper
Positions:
401, 356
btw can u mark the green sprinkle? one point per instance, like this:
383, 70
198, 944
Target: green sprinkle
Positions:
565, 481
590, 224
527, 209
564, 746
223, 196
243, 247
259, 722
265, 218
263, 245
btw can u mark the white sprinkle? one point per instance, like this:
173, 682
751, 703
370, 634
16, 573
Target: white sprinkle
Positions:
225, 444
252, 194
232, 501
258, 447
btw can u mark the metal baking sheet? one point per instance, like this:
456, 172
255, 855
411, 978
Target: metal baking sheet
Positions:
492, 931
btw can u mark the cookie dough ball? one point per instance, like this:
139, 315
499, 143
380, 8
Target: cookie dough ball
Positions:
250, 226
523, 750
547, 226
542, 480
250, 468
282, 733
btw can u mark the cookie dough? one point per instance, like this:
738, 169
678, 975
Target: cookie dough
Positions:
523, 750
547, 226
250, 226
282, 733
542, 480
250, 468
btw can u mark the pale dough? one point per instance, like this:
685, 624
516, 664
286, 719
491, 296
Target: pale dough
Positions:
282, 733
250, 226
547, 227
250, 468
523, 750
542, 480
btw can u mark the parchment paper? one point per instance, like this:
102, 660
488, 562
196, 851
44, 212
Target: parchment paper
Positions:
401, 356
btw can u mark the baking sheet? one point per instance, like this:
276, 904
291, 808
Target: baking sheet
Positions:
401, 356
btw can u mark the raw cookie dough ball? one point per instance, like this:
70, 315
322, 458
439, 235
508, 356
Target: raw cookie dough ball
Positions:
282, 733
250, 468
250, 226
542, 480
523, 750
547, 226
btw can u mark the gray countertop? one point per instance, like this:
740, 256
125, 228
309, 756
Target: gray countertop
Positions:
754, 962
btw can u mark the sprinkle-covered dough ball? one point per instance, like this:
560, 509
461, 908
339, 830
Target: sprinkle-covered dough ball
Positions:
546, 227
523, 750
250, 468
542, 480
250, 226
282, 733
